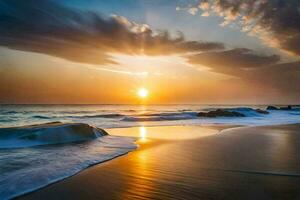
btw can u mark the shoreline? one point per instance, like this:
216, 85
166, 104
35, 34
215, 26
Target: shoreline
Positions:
147, 145
64, 178
88, 183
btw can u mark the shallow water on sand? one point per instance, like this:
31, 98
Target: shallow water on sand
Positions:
241, 163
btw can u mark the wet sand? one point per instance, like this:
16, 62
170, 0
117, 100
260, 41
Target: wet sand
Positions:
197, 163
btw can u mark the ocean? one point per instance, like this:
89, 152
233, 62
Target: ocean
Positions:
117, 116
41, 144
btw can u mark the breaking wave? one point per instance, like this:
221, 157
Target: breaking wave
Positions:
45, 134
54, 151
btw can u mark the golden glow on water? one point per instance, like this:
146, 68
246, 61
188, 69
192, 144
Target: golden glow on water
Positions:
143, 183
143, 134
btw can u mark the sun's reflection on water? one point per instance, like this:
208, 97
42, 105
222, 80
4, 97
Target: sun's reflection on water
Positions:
154, 163
142, 184
143, 134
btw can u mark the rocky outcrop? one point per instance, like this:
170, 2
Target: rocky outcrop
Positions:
286, 108
272, 108
260, 111
280, 108
220, 113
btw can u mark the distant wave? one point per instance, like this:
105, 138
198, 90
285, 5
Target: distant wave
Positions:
111, 115
100, 116
170, 114
42, 117
248, 112
185, 115
6, 120
44, 134
294, 113
9, 112
162, 116
158, 116
127, 116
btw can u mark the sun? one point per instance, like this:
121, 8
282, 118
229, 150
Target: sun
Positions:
143, 93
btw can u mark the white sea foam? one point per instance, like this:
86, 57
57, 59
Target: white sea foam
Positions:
115, 116
27, 169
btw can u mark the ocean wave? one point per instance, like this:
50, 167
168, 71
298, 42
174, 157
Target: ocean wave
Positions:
161, 117
45, 134
42, 117
76, 115
187, 115
127, 116
295, 113
248, 112
6, 119
169, 114
9, 112
26, 169
112, 115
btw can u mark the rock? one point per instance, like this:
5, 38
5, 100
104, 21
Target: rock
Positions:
272, 108
286, 108
262, 111
220, 113
280, 108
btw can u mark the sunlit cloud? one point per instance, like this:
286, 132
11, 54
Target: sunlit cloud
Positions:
253, 68
277, 23
85, 36
93, 67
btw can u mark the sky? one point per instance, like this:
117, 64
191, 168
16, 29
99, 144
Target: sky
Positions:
181, 51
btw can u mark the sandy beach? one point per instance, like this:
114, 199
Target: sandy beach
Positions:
199, 162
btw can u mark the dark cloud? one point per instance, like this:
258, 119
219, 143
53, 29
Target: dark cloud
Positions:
261, 70
284, 76
231, 61
83, 36
277, 22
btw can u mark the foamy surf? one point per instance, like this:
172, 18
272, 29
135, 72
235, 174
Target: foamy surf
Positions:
116, 116
52, 152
